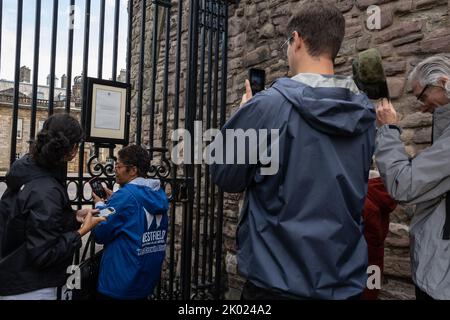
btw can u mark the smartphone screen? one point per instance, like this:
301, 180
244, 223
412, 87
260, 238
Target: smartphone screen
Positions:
97, 188
257, 78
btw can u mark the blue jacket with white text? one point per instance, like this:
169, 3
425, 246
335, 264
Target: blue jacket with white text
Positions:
135, 240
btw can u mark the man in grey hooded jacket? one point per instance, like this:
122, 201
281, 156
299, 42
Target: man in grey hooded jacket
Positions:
424, 180
300, 232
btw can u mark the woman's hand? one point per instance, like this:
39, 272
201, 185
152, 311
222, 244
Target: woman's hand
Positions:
97, 199
81, 214
90, 221
109, 193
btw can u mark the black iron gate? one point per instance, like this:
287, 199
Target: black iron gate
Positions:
194, 266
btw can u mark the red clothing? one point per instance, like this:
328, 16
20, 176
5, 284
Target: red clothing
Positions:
377, 207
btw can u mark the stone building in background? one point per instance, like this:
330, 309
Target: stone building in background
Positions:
24, 115
410, 31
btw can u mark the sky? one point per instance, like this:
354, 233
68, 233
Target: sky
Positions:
9, 29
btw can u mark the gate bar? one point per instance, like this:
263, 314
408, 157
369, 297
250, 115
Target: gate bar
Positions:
141, 75
223, 107
70, 54
87, 23
1, 23
130, 35
214, 124
166, 79
200, 167
154, 67
16, 81
175, 127
101, 40
191, 100
208, 182
37, 37
51, 98
116, 39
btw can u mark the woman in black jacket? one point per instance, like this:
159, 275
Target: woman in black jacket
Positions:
40, 232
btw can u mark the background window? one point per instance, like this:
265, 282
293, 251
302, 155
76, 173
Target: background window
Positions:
19, 128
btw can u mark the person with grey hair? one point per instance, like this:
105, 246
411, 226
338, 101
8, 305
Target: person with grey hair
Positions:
423, 180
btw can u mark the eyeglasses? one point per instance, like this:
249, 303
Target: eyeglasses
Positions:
420, 96
289, 40
121, 165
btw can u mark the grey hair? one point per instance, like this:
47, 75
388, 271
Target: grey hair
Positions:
431, 70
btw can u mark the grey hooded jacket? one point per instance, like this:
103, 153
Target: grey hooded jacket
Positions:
422, 181
300, 230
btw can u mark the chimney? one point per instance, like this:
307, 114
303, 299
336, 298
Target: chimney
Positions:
56, 81
25, 74
123, 76
64, 81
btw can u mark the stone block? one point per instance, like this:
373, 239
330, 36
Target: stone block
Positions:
403, 7
394, 67
261, 54
267, 31
436, 44
396, 86
399, 30
416, 120
410, 49
363, 43
424, 4
364, 4
407, 39
345, 5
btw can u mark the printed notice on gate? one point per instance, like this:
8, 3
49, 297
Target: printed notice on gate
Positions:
107, 115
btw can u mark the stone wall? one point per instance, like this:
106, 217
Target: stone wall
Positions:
410, 31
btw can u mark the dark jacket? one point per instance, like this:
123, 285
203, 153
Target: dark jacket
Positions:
39, 235
300, 231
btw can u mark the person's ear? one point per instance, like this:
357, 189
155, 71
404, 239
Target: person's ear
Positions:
299, 42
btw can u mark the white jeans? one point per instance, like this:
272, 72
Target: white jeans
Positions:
42, 294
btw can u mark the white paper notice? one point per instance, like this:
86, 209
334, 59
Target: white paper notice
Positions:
107, 113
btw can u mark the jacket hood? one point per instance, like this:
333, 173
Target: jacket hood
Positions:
26, 169
152, 196
330, 104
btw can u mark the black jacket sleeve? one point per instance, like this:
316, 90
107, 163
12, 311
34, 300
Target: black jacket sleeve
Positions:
48, 240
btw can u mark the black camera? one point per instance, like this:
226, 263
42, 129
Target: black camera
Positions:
257, 78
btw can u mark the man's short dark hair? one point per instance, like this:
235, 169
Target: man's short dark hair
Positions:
322, 27
137, 156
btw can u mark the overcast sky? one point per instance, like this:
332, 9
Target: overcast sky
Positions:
9, 25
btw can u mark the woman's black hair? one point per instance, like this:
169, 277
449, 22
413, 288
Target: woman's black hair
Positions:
134, 155
59, 135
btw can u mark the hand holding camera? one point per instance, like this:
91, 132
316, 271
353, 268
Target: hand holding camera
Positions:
99, 193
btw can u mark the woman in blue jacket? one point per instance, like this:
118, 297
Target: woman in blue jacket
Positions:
135, 233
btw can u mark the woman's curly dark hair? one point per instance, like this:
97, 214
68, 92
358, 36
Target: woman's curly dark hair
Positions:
59, 135
134, 155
